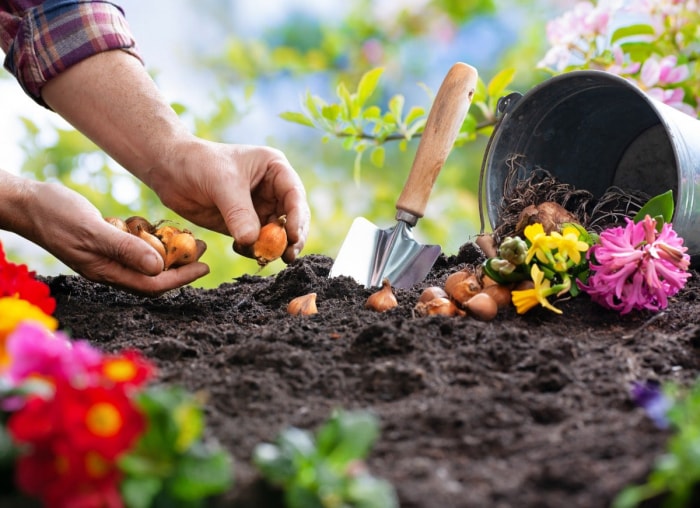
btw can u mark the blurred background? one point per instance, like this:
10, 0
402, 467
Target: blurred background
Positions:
230, 69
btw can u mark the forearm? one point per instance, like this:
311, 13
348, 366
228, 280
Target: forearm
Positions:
111, 99
14, 201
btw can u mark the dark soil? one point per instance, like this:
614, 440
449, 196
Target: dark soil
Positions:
526, 411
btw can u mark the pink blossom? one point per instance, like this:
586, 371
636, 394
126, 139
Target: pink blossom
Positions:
621, 64
672, 97
636, 267
35, 351
582, 22
663, 72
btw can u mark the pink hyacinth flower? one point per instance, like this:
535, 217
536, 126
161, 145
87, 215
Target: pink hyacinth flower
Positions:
636, 267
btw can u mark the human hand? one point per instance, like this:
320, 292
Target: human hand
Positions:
72, 229
233, 189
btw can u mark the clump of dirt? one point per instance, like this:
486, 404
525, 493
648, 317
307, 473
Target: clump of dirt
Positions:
527, 411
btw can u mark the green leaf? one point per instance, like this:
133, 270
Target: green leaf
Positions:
296, 442
331, 112
179, 108
200, 474
480, 94
366, 491
346, 100
659, 207
500, 82
313, 105
372, 113
277, 467
396, 104
638, 51
414, 114
376, 156
299, 496
139, 492
368, 84
631, 31
347, 436
296, 117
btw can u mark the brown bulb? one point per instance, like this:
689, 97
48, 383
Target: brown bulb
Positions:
270, 245
180, 249
431, 293
137, 223
304, 305
439, 306
117, 223
382, 300
482, 307
152, 241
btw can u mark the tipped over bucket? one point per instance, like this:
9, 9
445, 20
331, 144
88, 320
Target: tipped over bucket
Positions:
594, 130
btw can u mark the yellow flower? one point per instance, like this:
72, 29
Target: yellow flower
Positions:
13, 311
540, 243
526, 299
568, 244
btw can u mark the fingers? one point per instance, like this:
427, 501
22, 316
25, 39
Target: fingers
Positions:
294, 204
172, 278
130, 251
131, 264
297, 225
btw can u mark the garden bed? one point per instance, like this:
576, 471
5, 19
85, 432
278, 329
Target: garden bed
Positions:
527, 411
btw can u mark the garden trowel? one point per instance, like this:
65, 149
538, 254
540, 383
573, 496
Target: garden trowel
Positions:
370, 254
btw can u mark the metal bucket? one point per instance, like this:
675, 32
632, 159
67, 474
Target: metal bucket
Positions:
593, 130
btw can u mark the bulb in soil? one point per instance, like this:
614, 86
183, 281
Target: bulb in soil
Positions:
482, 307
382, 300
304, 305
439, 306
464, 290
430, 293
550, 214
500, 293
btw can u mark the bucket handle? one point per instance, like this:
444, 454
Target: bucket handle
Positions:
503, 106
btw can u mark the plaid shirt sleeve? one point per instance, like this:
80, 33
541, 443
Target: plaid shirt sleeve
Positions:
41, 39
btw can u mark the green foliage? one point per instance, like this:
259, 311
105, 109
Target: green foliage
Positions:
326, 470
676, 474
659, 207
171, 465
364, 126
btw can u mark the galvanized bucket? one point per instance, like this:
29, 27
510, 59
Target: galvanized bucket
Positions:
593, 130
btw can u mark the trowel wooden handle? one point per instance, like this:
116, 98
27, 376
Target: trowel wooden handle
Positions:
444, 121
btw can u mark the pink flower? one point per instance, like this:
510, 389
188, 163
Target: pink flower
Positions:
622, 64
663, 72
35, 351
636, 267
584, 21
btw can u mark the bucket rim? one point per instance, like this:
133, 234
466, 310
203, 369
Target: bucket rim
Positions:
602, 78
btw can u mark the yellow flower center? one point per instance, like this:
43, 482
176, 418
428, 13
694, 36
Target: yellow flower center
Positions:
120, 370
103, 419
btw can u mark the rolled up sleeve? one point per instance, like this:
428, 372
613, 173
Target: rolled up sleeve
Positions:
42, 39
